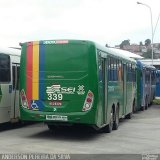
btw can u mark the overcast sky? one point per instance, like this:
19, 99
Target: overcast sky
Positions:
103, 21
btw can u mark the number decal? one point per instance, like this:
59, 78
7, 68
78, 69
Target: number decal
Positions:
49, 96
60, 96
55, 96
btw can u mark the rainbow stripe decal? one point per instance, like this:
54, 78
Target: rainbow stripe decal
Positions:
35, 74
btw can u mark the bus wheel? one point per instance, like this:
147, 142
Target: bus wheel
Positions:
51, 127
134, 106
142, 108
116, 119
129, 116
109, 127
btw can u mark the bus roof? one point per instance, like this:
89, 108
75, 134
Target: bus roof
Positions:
144, 65
127, 53
115, 52
111, 51
10, 51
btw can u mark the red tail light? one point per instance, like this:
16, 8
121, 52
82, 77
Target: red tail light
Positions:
88, 101
23, 99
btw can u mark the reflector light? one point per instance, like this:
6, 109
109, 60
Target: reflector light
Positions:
90, 94
24, 99
88, 101
87, 106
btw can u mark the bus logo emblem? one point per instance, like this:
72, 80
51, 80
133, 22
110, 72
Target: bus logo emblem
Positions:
81, 90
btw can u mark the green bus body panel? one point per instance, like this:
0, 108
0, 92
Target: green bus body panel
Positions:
67, 73
66, 65
23, 68
115, 96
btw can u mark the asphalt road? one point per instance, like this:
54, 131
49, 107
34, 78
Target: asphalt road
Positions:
139, 135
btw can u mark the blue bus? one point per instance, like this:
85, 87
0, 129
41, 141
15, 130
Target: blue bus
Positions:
146, 85
158, 83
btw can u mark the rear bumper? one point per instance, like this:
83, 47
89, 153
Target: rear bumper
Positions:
68, 118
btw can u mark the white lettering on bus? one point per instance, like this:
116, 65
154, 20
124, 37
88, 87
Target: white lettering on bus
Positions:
55, 42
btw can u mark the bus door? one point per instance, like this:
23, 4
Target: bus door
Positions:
150, 86
124, 70
158, 83
146, 86
15, 92
103, 87
5, 88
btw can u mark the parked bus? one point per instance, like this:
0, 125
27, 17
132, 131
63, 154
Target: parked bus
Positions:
146, 85
9, 84
158, 83
65, 82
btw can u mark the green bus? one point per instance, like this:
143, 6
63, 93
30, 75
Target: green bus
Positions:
67, 82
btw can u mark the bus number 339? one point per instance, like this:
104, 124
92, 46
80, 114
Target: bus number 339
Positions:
55, 96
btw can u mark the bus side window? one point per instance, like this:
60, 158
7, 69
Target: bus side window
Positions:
18, 71
112, 69
4, 68
133, 74
100, 72
109, 70
15, 75
119, 71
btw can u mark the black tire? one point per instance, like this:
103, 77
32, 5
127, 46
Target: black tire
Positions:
116, 119
51, 127
134, 107
129, 116
109, 127
142, 108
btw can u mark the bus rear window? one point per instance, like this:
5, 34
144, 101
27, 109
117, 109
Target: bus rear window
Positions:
66, 58
4, 68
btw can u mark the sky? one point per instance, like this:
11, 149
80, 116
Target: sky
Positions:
103, 21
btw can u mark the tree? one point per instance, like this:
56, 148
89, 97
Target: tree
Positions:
140, 43
106, 45
147, 42
148, 54
124, 43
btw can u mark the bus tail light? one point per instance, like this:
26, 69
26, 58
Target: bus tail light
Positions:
23, 99
88, 101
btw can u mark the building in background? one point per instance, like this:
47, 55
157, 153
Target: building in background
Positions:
156, 62
142, 50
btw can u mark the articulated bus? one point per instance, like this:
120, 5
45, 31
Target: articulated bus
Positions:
66, 82
146, 85
9, 84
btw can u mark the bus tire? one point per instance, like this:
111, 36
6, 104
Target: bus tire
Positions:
109, 127
129, 116
116, 119
134, 106
142, 108
51, 127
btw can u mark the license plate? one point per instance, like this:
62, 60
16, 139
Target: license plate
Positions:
56, 118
